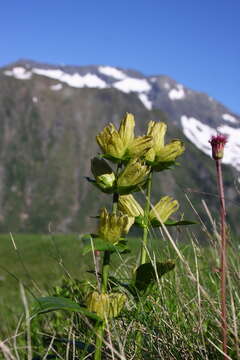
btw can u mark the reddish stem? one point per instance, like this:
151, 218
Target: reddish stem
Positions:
223, 256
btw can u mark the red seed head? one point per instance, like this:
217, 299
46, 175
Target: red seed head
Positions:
218, 142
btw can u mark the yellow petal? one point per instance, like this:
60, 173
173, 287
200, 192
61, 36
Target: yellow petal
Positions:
126, 130
106, 306
157, 130
150, 155
164, 209
104, 137
139, 146
170, 151
128, 205
134, 173
112, 227
115, 146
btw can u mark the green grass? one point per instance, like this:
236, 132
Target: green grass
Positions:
39, 262
178, 320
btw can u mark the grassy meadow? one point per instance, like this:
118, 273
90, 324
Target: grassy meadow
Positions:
179, 318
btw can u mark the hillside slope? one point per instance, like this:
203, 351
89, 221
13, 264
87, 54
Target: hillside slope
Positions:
47, 141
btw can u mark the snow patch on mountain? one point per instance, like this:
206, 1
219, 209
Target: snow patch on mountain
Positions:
229, 117
125, 84
166, 85
177, 94
74, 80
145, 100
19, 72
231, 154
200, 134
113, 72
56, 87
133, 85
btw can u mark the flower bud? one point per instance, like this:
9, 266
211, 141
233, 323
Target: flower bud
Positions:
103, 173
106, 306
112, 226
218, 143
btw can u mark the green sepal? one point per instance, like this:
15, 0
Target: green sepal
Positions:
109, 190
146, 273
161, 166
52, 303
122, 247
96, 243
93, 242
125, 190
141, 221
124, 159
156, 223
121, 190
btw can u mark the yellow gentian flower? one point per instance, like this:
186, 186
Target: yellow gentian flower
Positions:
159, 152
119, 145
134, 174
112, 227
128, 205
164, 209
106, 306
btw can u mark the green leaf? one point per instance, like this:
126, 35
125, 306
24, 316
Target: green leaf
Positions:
53, 303
109, 190
122, 247
180, 222
156, 223
125, 285
146, 273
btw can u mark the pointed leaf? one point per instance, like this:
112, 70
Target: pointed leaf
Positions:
122, 247
180, 222
118, 283
146, 273
156, 223
53, 303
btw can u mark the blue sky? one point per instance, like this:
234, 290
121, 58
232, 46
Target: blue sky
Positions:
195, 42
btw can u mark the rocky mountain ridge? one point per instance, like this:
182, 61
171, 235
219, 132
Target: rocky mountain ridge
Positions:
198, 115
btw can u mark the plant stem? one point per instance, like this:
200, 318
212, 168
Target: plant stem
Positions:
143, 255
106, 257
146, 214
99, 340
223, 256
105, 270
105, 273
